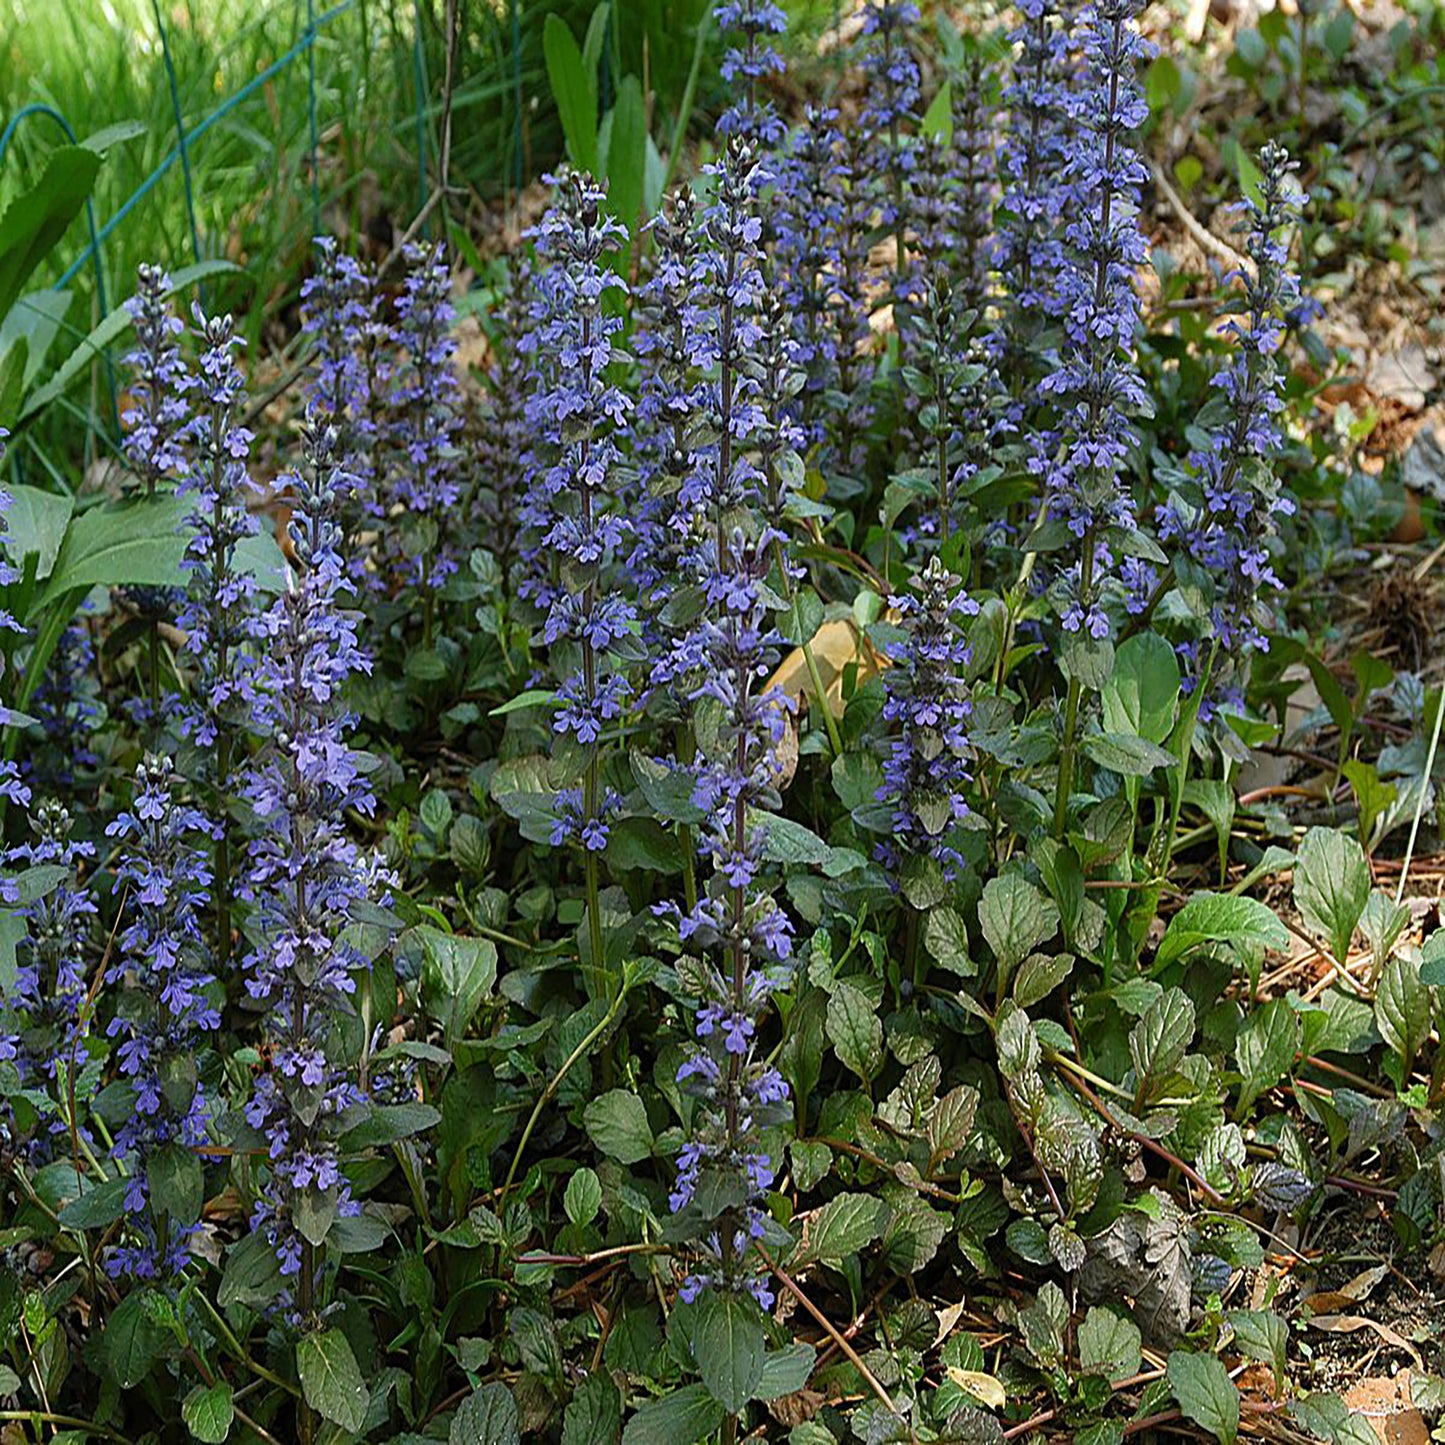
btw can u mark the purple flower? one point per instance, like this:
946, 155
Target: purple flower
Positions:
155, 425
306, 872
44, 1028
162, 982
926, 769
423, 481
1225, 516
751, 60
575, 526
1093, 380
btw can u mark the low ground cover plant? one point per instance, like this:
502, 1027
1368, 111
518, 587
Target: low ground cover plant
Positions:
688, 885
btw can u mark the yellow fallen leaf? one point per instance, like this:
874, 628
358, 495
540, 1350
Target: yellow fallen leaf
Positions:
986, 1389
835, 645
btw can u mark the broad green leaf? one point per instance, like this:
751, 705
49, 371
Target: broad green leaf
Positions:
1263, 1336
575, 91
1402, 1009
1159, 1041
617, 1124
1432, 960
1265, 1049
582, 1197
951, 1122
1205, 1393
387, 1123
97, 1207
785, 1371
1331, 886
627, 155
945, 935
488, 1416
1015, 918
177, 1187
1128, 756
130, 544
937, 120
1219, 918
457, 974
1142, 693
29, 330
35, 220
1109, 1344
252, 1274
331, 1380
132, 1341
35, 525
843, 1226
680, 1417
727, 1343
594, 1413
208, 1412
855, 1031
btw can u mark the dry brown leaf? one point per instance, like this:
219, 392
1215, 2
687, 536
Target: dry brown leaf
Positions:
1348, 1324
835, 645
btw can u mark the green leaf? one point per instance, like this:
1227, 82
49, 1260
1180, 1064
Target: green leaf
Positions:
387, 1123
1219, 918
1205, 1393
627, 154
785, 1371
843, 1226
457, 974
35, 220
1265, 1049
1262, 1335
331, 1380
1331, 886
575, 91
209, 1413
1432, 960
532, 697
1142, 693
681, 1417
488, 1416
177, 1186
727, 1343
252, 1275
594, 1413
27, 332
583, 1197
799, 624
855, 1031
128, 544
1128, 756
1109, 1344
617, 1124
945, 935
1016, 918
1402, 1009
1159, 1041
97, 1207
132, 1341
36, 523
937, 122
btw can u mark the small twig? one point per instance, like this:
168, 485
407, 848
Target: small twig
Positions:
834, 1334
1208, 241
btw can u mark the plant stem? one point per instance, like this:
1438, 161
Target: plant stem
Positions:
550, 1091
